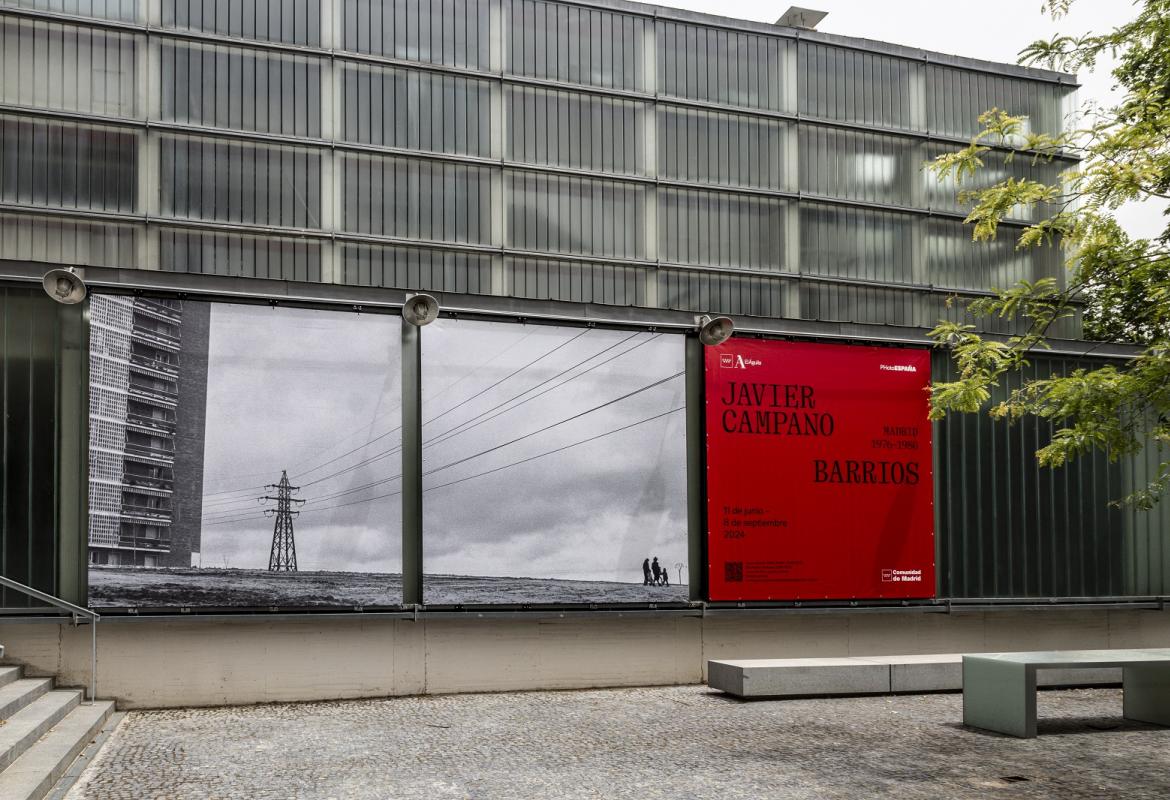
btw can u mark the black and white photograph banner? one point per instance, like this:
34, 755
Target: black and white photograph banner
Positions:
243, 456
553, 465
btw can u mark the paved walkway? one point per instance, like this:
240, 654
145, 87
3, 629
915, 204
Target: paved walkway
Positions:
674, 743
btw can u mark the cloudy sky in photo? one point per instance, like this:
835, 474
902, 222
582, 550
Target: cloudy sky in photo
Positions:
317, 393
553, 505
294, 389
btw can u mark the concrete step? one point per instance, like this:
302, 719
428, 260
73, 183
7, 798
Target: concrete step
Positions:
798, 677
25, 727
32, 775
10, 674
20, 693
813, 677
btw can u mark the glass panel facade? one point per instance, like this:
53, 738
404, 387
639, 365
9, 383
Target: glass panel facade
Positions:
453, 33
50, 163
425, 269
122, 10
564, 214
858, 166
415, 199
739, 294
1146, 554
856, 243
833, 302
722, 148
233, 87
535, 149
286, 21
67, 241
415, 110
723, 67
239, 255
855, 86
580, 131
242, 183
722, 229
576, 44
1011, 529
956, 98
577, 282
67, 67
996, 168
42, 455
957, 262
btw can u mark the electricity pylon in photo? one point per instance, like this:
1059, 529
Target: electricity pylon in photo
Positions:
284, 549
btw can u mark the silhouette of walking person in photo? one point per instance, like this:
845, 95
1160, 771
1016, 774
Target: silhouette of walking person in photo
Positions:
646, 572
657, 570
665, 577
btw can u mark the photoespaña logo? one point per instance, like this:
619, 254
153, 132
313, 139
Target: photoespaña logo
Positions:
736, 361
897, 368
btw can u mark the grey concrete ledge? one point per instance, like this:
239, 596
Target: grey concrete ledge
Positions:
819, 677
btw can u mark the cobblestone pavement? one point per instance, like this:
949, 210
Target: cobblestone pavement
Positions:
685, 742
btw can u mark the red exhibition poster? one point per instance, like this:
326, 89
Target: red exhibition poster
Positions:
818, 472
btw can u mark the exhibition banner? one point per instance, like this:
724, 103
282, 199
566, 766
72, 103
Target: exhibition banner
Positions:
242, 456
818, 472
552, 465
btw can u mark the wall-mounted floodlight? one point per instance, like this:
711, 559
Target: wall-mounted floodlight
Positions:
714, 330
420, 309
64, 286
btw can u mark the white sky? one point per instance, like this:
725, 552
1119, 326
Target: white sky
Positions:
593, 511
292, 389
992, 30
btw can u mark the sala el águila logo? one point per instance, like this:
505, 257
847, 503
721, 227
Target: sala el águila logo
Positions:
736, 361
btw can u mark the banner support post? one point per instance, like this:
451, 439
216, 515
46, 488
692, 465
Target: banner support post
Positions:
412, 498
696, 470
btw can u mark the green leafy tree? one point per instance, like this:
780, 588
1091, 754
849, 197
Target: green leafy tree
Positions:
1120, 283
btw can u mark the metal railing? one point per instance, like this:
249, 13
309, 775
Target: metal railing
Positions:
137, 392
167, 340
158, 451
155, 365
76, 611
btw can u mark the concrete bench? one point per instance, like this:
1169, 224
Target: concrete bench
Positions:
818, 677
999, 689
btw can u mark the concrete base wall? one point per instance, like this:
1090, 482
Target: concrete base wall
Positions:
166, 663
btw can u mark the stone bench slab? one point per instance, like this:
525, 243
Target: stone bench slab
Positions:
999, 689
814, 677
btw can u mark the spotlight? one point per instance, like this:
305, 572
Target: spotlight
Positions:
420, 309
714, 330
64, 286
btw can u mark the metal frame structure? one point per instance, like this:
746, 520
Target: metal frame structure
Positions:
498, 301
221, 288
412, 504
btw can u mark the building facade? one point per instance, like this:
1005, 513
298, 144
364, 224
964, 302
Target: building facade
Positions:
140, 350
604, 153
599, 163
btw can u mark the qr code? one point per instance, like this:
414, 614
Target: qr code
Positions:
733, 571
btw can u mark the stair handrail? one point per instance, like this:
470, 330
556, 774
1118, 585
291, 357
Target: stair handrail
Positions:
76, 611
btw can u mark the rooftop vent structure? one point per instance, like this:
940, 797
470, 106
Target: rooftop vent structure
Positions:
804, 18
